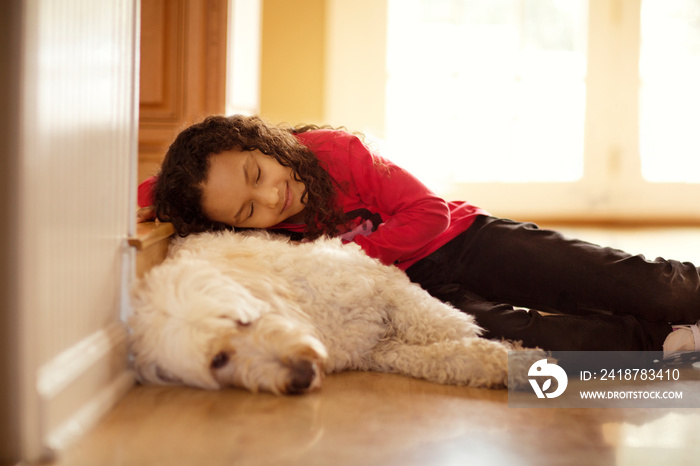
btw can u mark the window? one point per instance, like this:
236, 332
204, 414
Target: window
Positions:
669, 68
549, 108
243, 64
505, 80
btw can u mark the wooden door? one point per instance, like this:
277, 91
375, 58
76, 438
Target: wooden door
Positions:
183, 71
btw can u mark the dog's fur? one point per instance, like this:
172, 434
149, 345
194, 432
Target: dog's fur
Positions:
259, 312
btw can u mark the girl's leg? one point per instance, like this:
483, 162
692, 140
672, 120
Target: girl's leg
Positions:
508, 262
520, 264
557, 332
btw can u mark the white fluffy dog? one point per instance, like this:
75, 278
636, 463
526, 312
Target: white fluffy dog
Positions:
259, 312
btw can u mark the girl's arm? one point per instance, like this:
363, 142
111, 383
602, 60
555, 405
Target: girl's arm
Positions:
144, 198
412, 215
145, 214
145, 192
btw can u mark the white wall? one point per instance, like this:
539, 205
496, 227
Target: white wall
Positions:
72, 212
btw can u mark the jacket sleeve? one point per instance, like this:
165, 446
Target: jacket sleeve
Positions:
413, 215
145, 192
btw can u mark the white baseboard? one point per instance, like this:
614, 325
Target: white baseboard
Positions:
81, 384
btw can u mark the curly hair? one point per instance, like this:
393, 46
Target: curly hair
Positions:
178, 190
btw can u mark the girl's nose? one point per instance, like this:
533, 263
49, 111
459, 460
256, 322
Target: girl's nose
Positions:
269, 197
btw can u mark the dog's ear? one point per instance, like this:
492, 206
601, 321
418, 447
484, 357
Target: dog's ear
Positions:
167, 378
152, 373
149, 371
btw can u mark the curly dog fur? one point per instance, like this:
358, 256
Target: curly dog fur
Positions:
257, 311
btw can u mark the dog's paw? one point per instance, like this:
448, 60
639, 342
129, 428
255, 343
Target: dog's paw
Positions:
519, 363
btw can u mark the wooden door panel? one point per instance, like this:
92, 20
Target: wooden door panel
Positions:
162, 60
183, 71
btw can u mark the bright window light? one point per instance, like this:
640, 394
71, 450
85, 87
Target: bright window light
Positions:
243, 63
670, 90
493, 89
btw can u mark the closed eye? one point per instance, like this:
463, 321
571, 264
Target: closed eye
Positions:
252, 204
220, 360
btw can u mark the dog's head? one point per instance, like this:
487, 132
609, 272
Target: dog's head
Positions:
195, 325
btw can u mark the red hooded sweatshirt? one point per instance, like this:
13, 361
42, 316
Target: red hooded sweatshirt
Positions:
397, 219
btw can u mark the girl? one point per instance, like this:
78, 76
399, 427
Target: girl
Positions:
241, 172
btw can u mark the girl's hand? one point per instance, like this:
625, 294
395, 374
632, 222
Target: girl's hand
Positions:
145, 214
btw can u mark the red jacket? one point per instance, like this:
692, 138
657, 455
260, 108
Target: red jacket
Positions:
398, 219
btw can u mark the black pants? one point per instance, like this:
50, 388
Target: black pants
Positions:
595, 298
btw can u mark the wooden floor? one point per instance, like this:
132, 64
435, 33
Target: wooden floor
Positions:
381, 419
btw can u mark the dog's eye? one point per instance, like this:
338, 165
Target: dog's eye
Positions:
220, 360
242, 324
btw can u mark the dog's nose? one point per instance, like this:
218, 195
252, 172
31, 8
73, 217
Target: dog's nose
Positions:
303, 374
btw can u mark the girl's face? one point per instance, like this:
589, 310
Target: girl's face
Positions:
251, 190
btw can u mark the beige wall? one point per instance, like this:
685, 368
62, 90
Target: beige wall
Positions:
356, 65
292, 65
324, 61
